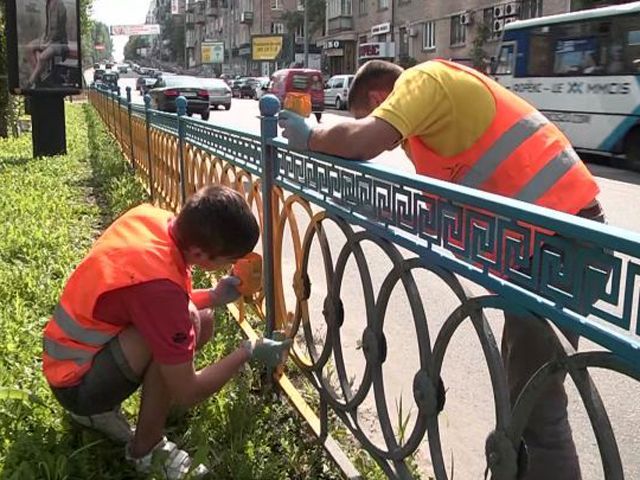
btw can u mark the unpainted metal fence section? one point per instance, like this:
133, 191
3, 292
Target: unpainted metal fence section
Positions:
565, 271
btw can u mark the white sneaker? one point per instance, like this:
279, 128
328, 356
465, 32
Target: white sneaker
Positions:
112, 424
167, 459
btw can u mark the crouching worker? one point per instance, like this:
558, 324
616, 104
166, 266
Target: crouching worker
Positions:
128, 317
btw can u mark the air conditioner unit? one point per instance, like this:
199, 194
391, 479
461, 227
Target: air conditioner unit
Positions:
498, 11
511, 9
413, 32
509, 20
466, 18
498, 25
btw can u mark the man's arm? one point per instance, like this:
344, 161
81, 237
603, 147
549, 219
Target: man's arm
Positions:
190, 387
362, 139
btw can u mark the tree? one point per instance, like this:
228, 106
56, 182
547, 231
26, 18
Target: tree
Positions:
132, 46
478, 54
294, 19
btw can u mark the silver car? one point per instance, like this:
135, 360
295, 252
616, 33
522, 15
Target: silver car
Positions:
336, 92
219, 92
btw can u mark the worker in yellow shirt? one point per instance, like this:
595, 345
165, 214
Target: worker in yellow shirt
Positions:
458, 125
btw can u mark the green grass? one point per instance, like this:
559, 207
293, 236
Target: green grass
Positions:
52, 209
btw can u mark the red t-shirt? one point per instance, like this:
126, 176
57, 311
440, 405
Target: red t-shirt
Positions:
159, 309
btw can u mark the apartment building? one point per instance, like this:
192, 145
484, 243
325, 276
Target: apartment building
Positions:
410, 31
234, 22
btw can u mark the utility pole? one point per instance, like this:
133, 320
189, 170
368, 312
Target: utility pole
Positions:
305, 27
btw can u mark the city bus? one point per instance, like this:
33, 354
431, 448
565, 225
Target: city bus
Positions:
582, 70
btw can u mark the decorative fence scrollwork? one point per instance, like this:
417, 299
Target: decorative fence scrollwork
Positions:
492, 256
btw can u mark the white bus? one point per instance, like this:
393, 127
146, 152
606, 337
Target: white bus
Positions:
582, 70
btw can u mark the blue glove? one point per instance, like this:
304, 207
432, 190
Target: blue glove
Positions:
295, 129
225, 291
266, 351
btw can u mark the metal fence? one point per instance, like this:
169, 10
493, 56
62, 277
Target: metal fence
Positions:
491, 253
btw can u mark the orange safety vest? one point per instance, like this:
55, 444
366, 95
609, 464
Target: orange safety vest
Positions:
136, 248
521, 155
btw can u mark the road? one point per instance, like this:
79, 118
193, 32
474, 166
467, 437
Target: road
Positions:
468, 415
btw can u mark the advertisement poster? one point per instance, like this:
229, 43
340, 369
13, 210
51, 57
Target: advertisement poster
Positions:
266, 47
143, 29
212, 52
46, 47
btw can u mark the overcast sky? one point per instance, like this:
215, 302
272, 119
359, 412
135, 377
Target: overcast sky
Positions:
120, 12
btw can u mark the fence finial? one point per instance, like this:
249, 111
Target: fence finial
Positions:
269, 105
181, 105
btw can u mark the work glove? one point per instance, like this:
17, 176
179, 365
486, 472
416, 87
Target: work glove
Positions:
225, 291
266, 351
295, 129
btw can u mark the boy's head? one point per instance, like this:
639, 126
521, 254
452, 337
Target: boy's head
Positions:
215, 227
371, 86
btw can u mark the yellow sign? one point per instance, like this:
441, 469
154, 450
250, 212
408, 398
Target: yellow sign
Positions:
266, 48
212, 52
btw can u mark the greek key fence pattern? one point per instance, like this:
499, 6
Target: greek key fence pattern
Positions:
547, 268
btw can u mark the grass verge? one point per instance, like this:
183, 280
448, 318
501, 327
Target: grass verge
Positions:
52, 210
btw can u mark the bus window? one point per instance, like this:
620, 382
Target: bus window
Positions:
505, 61
540, 53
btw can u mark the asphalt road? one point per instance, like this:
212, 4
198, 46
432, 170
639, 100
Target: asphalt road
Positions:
468, 415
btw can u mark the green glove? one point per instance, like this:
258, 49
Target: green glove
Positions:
266, 351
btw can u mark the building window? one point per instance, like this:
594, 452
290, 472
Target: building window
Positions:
300, 31
458, 31
493, 24
277, 27
276, 5
339, 8
530, 9
382, 4
362, 7
404, 42
429, 35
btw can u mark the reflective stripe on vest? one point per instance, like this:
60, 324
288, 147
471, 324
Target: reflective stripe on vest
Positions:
61, 352
502, 149
77, 332
553, 171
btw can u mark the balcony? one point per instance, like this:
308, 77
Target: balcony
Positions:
340, 24
246, 18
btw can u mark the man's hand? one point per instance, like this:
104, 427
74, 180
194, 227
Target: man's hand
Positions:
295, 129
225, 291
266, 351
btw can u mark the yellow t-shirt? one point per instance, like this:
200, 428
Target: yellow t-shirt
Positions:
448, 108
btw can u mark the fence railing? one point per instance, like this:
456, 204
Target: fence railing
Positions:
335, 232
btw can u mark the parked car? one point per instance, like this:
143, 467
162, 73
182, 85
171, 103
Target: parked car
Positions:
300, 80
167, 89
123, 69
96, 66
97, 74
219, 92
262, 87
336, 92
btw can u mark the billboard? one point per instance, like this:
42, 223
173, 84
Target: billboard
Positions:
175, 7
266, 47
144, 29
43, 46
212, 52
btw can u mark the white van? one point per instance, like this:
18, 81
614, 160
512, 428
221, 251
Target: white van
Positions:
336, 91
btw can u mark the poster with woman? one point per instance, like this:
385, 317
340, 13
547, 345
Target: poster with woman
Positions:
44, 53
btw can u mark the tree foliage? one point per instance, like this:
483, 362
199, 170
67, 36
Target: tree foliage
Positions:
132, 46
294, 19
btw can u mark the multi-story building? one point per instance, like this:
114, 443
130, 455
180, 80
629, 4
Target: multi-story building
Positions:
234, 22
410, 31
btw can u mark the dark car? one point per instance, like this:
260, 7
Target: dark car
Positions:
167, 89
248, 88
97, 74
235, 86
110, 80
